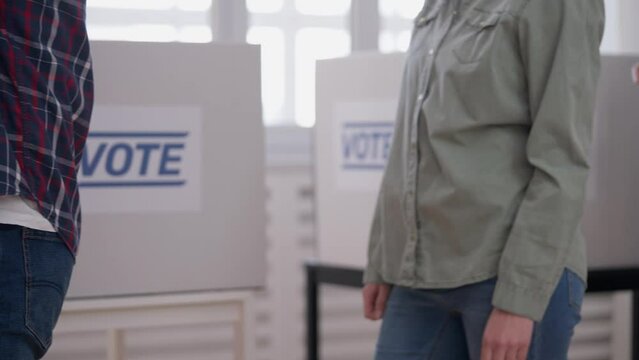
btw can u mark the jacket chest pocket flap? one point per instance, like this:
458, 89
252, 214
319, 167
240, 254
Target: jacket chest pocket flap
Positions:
428, 13
476, 32
423, 25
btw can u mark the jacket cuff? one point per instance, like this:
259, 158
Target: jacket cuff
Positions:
371, 276
520, 300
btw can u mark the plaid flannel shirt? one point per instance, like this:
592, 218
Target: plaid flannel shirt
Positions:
46, 98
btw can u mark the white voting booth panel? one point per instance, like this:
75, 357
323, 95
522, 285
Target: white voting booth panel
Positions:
612, 208
356, 105
172, 179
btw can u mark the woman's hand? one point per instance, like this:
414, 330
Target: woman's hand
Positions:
375, 296
507, 336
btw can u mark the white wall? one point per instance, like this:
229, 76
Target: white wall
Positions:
622, 27
629, 23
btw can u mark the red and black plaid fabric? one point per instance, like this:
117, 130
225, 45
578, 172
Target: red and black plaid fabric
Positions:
46, 98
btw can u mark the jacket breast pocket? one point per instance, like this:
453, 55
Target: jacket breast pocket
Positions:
477, 31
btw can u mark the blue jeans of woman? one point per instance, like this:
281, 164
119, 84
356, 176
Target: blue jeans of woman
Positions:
435, 324
35, 269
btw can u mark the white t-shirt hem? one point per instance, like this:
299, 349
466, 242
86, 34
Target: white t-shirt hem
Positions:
19, 211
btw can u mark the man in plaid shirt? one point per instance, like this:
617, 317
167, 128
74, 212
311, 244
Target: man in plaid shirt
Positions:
46, 97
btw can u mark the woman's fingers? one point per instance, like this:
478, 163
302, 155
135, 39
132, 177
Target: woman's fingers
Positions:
506, 336
375, 297
486, 352
369, 294
380, 302
512, 353
522, 354
503, 352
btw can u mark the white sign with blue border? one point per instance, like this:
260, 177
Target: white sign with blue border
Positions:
363, 135
142, 159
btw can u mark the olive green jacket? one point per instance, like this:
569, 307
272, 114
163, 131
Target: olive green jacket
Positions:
487, 170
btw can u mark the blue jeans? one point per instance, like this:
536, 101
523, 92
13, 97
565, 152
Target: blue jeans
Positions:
434, 324
35, 269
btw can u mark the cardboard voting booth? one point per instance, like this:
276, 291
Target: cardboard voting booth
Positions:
172, 179
356, 105
612, 205
355, 117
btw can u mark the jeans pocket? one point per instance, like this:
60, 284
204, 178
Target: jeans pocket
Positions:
48, 266
576, 289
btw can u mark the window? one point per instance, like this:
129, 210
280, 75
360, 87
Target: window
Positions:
294, 34
274, 69
325, 7
397, 23
150, 20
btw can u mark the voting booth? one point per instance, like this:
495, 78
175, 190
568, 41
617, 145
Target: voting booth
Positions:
612, 204
355, 120
172, 178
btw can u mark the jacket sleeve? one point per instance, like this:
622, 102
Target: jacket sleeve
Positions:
371, 274
559, 46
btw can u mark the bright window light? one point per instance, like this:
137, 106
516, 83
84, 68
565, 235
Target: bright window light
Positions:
274, 67
195, 34
194, 5
150, 20
146, 32
323, 7
264, 6
407, 9
133, 4
402, 40
387, 42
293, 34
313, 44
392, 41
397, 23
186, 5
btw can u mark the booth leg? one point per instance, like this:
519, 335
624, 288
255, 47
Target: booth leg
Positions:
635, 325
312, 314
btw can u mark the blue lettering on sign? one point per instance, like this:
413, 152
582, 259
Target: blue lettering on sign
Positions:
126, 164
366, 145
134, 159
166, 158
